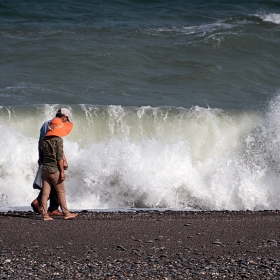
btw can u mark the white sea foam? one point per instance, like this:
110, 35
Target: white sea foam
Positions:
195, 30
272, 17
150, 158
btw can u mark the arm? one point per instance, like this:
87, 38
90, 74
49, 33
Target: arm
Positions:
65, 163
61, 170
60, 156
40, 153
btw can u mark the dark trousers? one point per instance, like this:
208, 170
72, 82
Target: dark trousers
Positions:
54, 204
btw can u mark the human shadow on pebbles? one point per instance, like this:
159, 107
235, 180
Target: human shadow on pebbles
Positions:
141, 245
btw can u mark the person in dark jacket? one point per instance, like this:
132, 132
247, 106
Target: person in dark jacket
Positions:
64, 115
52, 166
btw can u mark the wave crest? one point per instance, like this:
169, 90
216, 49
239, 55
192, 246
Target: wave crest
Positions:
273, 17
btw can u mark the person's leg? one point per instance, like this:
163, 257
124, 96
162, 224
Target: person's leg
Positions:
36, 203
46, 193
54, 203
37, 184
60, 189
39, 197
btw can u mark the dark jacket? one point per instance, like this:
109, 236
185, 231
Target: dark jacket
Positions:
52, 147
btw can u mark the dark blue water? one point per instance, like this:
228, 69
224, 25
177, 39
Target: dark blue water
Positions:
222, 54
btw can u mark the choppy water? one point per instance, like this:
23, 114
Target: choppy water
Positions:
174, 104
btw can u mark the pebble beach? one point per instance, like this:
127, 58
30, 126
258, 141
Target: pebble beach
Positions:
141, 245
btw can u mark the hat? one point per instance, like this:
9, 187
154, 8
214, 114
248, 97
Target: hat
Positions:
65, 112
58, 128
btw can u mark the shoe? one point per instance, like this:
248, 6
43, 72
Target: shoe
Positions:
48, 219
70, 216
55, 212
36, 206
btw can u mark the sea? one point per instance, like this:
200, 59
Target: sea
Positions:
175, 104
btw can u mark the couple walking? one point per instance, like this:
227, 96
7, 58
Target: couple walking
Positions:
53, 163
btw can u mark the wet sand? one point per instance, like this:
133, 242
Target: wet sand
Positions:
141, 245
